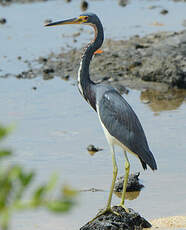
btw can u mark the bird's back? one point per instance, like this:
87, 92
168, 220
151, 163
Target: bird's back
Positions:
121, 122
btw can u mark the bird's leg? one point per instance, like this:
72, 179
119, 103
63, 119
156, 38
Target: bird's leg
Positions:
127, 169
108, 207
115, 171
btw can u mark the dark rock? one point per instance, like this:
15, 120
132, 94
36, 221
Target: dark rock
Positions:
132, 185
92, 148
125, 220
164, 11
123, 2
66, 77
84, 5
48, 70
2, 20
42, 60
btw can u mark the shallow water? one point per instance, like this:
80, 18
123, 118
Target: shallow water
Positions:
25, 35
54, 125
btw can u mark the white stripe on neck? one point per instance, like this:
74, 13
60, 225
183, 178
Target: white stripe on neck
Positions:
79, 76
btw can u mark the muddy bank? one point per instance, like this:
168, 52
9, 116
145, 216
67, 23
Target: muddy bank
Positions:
156, 61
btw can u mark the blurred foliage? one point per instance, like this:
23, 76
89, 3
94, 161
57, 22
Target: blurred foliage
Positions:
14, 183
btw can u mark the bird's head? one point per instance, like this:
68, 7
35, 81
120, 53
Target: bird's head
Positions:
87, 18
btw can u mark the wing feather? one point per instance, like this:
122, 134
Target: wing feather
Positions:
122, 123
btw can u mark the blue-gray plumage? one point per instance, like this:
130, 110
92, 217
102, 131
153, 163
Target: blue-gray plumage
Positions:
120, 123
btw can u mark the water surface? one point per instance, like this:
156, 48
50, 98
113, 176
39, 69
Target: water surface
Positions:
54, 125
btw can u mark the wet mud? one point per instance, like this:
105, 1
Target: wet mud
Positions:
156, 61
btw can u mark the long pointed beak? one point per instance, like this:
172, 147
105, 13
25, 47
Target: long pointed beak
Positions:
65, 22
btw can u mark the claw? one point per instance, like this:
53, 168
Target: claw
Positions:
102, 212
121, 205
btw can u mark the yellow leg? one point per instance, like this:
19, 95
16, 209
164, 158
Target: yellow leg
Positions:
127, 169
115, 171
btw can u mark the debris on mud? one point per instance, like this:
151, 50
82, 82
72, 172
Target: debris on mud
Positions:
132, 185
125, 220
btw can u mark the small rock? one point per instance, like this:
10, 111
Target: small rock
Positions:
66, 77
42, 60
93, 149
3, 20
84, 5
123, 2
48, 70
164, 11
34, 87
125, 220
132, 185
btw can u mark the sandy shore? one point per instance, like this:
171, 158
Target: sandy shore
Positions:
173, 222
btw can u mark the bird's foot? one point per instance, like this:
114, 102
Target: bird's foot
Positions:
122, 205
102, 212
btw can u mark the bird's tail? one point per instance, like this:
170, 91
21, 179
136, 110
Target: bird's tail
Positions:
148, 160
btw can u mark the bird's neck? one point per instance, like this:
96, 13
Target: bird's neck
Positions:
85, 84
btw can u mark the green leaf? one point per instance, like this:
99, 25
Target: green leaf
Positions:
3, 132
26, 178
5, 153
39, 193
59, 206
5, 216
69, 192
52, 182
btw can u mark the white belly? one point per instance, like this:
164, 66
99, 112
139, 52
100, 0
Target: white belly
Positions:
112, 140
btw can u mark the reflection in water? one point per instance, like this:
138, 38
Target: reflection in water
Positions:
160, 101
129, 195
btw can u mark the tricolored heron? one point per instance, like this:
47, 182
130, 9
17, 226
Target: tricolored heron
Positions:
120, 123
